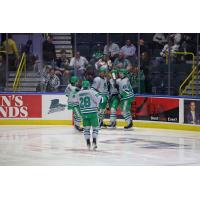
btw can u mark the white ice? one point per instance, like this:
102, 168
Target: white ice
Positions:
62, 145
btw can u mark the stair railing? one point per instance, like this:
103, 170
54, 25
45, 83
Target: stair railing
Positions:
190, 78
192, 82
188, 81
182, 53
21, 67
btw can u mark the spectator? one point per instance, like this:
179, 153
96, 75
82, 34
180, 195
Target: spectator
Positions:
188, 45
159, 40
138, 80
12, 51
112, 50
89, 76
121, 62
2, 74
49, 54
78, 63
62, 61
173, 48
37, 65
52, 81
104, 61
62, 67
98, 53
41, 87
143, 47
176, 37
129, 51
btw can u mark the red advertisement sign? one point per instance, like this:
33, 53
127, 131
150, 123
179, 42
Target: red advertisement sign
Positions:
153, 109
156, 109
20, 106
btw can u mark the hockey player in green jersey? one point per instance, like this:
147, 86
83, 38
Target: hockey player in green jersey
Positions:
71, 91
113, 99
126, 95
101, 86
89, 103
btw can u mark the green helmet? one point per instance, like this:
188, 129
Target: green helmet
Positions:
115, 71
85, 85
102, 69
74, 79
123, 71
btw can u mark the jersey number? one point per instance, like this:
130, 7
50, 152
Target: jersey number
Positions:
85, 102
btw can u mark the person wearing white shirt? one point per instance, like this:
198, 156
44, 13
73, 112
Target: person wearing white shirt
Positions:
174, 48
159, 40
129, 51
79, 65
103, 62
111, 49
176, 37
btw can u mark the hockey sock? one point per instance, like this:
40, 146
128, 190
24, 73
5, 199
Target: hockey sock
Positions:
86, 132
77, 117
101, 115
95, 133
127, 116
113, 115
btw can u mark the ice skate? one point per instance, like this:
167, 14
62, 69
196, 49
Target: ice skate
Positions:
112, 125
129, 126
88, 144
94, 144
78, 128
102, 125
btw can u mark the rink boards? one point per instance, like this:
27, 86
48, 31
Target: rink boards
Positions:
51, 109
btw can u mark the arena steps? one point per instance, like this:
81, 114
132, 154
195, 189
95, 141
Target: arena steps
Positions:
63, 41
193, 88
28, 82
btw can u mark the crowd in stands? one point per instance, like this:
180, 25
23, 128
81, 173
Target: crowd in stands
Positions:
56, 71
110, 57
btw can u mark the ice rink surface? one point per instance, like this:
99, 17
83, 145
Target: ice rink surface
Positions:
62, 145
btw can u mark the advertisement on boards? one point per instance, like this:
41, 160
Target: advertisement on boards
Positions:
20, 106
192, 111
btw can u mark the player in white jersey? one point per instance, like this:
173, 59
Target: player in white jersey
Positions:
126, 95
71, 92
101, 86
113, 99
89, 105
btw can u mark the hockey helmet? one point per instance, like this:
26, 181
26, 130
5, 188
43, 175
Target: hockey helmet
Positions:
102, 69
74, 79
85, 84
123, 71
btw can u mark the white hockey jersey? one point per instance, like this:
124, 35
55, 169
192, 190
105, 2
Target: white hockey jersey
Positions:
88, 101
100, 84
125, 88
112, 89
71, 92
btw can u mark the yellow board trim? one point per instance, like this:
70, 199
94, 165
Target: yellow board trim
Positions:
160, 125
35, 122
157, 125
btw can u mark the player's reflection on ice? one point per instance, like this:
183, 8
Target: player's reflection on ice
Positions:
61, 145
